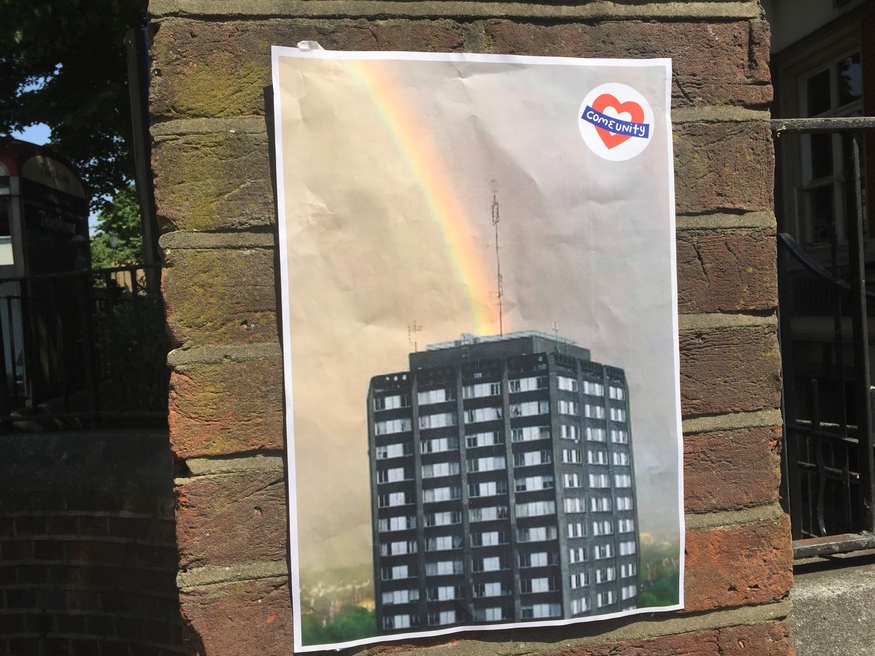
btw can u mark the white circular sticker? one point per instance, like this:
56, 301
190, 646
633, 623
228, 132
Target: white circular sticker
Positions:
615, 121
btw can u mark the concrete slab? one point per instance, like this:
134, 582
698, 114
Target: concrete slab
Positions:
833, 611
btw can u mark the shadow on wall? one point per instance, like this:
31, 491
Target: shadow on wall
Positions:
87, 544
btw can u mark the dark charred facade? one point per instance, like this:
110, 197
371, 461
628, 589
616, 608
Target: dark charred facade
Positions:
502, 485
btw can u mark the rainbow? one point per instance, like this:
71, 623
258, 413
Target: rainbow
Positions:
436, 184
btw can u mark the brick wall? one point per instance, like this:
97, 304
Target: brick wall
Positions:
87, 550
212, 168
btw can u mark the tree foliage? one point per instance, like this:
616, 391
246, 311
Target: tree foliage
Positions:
64, 64
351, 623
119, 237
663, 591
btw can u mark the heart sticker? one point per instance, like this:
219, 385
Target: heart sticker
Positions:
616, 121
633, 109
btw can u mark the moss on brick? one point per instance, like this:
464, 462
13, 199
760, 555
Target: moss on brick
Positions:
221, 296
220, 86
210, 181
225, 408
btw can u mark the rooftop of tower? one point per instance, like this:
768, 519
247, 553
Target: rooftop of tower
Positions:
476, 347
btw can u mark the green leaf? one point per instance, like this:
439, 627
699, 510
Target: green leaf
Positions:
65, 66
119, 236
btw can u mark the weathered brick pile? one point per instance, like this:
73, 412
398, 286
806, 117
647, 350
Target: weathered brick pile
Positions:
212, 164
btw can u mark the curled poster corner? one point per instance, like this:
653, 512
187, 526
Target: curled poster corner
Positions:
306, 46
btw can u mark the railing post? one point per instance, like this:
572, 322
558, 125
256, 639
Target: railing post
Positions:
859, 318
792, 492
85, 304
5, 401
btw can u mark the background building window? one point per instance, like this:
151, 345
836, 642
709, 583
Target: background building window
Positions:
392, 402
566, 384
435, 396
489, 438
530, 433
480, 390
439, 445
391, 426
527, 384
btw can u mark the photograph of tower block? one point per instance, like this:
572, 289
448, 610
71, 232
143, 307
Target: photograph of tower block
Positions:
502, 485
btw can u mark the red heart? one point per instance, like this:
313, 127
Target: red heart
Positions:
606, 100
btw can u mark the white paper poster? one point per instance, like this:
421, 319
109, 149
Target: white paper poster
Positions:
480, 341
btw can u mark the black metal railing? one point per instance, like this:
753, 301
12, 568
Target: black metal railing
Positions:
82, 349
828, 470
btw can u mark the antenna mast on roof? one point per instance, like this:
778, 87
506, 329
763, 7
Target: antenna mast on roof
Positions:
411, 335
496, 219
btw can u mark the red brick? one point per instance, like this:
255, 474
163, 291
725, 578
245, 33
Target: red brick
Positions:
60, 575
250, 617
71, 623
101, 625
61, 525
236, 303
714, 63
93, 525
159, 582
20, 599
125, 577
159, 631
723, 166
129, 627
14, 500
113, 648
221, 69
125, 527
30, 525
738, 565
122, 603
16, 549
176, 633
731, 469
726, 271
8, 574
226, 408
6, 527
47, 500
704, 643
12, 623
148, 555
757, 640
95, 551
41, 623
230, 519
159, 531
85, 500
772, 639
30, 574
83, 600
148, 649
156, 531
25, 646
729, 370
85, 647
213, 181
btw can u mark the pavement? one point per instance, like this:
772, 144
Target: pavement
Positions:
834, 605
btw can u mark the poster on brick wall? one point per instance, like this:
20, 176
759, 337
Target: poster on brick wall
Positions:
480, 340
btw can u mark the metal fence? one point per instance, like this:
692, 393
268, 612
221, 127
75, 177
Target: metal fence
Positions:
82, 349
827, 465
